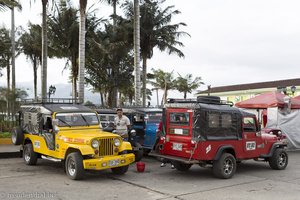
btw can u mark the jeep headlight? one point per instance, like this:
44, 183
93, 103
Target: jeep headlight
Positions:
95, 144
117, 142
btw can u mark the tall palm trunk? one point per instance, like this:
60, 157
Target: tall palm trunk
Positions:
144, 78
8, 88
13, 66
35, 77
44, 50
74, 76
137, 74
82, 49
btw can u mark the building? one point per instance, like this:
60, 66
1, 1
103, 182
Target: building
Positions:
237, 93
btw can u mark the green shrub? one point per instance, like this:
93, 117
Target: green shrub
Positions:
5, 135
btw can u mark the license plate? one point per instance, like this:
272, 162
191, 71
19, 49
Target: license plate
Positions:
113, 163
177, 146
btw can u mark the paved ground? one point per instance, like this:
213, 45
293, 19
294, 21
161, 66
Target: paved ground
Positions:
47, 180
9, 151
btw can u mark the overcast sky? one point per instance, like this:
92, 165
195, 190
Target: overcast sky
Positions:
232, 41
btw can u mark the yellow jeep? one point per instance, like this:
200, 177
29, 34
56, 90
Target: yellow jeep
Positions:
72, 134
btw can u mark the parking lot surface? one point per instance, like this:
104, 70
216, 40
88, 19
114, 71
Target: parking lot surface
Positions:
47, 180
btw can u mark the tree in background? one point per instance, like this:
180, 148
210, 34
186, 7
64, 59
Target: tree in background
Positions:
156, 31
164, 81
31, 46
109, 61
187, 84
63, 29
81, 50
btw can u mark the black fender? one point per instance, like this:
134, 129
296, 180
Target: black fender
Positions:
226, 148
274, 146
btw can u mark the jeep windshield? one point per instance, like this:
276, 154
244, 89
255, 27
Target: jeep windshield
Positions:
153, 117
76, 119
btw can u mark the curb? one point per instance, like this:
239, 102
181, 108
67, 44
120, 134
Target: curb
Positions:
17, 154
5, 141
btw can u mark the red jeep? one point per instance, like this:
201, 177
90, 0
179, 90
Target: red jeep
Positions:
208, 131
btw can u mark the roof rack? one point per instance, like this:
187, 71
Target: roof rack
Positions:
51, 101
202, 99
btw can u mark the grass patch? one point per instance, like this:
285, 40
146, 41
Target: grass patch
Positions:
5, 135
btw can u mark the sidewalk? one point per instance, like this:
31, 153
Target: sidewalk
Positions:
9, 151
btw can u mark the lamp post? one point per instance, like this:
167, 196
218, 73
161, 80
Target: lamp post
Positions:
51, 90
293, 89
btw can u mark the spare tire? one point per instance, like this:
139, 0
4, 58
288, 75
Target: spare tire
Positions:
209, 99
17, 136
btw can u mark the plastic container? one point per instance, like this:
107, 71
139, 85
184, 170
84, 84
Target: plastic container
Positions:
140, 166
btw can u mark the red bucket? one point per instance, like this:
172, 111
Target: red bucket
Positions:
140, 166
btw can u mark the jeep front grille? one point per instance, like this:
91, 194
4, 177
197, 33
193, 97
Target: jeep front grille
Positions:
106, 147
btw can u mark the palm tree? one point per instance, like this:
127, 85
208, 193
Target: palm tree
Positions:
137, 40
32, 48
44, 49
8, 4
81, 50
109, 61
186, 84
114, 5
157, 31
164, 81
64, 38
5, 59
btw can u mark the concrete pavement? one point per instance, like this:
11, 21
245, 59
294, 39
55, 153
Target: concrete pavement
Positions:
253, 180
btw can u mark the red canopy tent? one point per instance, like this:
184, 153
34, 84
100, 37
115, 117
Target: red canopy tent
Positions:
267, 100
297, 97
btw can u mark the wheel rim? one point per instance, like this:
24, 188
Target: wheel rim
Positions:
71, 167
26, 154
282, 160
228, 166
13, 138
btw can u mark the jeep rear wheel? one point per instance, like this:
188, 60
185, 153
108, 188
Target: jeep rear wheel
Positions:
74, 166
120, 170
138, 152
225, 167
17, 136
279, 159
30, 157
181, 166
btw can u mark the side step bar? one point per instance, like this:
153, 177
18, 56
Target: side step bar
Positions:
183, 160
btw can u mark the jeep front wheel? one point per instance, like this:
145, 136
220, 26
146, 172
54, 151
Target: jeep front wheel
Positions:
181, 166
279, 159
120, 170
30, 157
225, 167
74, 166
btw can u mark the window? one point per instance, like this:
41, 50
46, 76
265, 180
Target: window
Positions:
226, 121
180, 119
77, 119
249, 124
213, 120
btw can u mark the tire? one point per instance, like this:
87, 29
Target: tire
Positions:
30, 157
74, 166
17, 136
225, 167
146, 151
279, 159
209, 99
181, 166
138, 153
120, 170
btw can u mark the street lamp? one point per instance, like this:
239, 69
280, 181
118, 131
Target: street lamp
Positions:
52, 90
293, 89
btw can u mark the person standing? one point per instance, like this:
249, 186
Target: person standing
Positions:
122, 124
